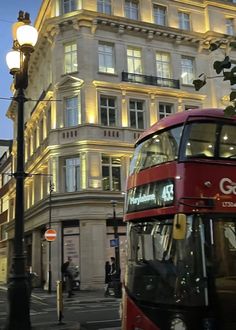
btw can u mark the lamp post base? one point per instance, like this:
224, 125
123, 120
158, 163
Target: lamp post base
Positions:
19, 304
117, 289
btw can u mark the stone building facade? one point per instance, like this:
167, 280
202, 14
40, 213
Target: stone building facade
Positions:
102, 72
5, 189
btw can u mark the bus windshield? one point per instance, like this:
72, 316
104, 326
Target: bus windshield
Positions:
162, 270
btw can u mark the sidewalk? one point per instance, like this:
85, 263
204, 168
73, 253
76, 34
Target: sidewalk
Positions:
80, 297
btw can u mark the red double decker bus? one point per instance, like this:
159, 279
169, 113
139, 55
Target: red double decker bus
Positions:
181, 220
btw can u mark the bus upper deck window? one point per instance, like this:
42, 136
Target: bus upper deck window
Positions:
201, 140
227, 148
158, 149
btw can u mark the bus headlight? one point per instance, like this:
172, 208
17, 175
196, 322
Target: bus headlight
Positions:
178, 324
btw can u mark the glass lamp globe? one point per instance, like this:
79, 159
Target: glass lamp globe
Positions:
13, 61
27, 37
15, 27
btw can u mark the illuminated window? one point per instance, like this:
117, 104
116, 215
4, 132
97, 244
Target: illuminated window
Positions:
72, 174
106, 60
70, 58
229, 22
163, 65
136, 114
184, 21
111, 178
159, 14
72, 111
131, 9
165, 109
104, 6
187, 70
70, 5
108, 110
134, 60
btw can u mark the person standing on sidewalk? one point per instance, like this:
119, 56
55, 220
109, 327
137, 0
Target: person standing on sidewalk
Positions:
107, 278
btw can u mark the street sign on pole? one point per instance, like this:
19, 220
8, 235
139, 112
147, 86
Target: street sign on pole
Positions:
114, 242
50, 235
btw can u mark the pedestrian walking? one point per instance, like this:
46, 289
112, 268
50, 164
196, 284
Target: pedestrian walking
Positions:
69, 272
107, 278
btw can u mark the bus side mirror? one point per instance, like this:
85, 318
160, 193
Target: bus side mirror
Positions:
180, 226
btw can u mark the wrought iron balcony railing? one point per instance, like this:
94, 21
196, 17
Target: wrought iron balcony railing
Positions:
150, 80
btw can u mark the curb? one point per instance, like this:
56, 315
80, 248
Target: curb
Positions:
53, 325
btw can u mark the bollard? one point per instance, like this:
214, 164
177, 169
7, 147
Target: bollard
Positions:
59, 301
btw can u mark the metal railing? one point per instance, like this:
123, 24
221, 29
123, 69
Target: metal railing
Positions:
150, 80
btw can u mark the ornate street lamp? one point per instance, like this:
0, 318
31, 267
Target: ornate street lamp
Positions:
24, 40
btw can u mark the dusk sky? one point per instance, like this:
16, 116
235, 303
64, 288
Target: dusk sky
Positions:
8, 15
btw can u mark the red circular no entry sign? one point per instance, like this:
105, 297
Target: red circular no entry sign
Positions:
50, 235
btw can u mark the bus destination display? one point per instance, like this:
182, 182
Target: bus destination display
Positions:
152, 195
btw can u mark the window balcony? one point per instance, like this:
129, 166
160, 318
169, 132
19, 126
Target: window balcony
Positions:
150, 80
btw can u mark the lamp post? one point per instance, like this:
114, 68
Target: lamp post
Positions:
24, 40
116, 236
51, 189
117, 283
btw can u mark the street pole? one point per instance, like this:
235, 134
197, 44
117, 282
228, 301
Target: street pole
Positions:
51, 188
117, 283
116, 236
18, 287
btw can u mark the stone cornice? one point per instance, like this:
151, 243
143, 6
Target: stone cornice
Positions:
121, 25
206, 3
147, 89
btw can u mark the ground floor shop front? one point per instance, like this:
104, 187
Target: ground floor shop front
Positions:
89, 242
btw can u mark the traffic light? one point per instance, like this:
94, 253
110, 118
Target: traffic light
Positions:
221, 65
199, 83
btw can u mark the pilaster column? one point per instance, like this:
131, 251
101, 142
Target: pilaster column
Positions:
36, 251
56, 254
